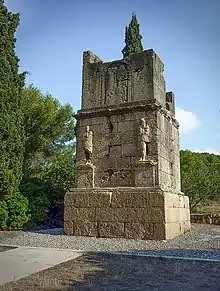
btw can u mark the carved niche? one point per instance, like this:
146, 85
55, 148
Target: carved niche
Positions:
116, 83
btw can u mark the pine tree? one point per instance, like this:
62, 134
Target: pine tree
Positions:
11, 116
132, 38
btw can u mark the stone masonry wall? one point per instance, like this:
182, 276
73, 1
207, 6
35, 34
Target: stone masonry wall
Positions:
115, 148
135, 79
125, 212
168, 152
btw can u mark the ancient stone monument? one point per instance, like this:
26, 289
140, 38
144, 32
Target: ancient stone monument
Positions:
127, 153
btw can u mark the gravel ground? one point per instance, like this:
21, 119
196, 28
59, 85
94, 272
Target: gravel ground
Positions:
203, 241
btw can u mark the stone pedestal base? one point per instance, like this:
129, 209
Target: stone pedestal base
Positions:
85, 176
145, 174
135, 213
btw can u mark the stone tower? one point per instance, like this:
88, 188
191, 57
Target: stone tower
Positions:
127, 153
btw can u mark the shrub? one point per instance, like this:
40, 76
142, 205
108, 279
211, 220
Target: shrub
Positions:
34, 191
3, 215
13, 212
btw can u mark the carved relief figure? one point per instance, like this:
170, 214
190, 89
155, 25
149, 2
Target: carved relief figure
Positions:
122, 84
144, 139
109, 86
116, 84
88, 144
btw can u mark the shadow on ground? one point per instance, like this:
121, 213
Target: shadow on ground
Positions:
98, 271
6, 248
51, 231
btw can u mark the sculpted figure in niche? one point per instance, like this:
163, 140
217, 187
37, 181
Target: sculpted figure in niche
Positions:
88, 144
144, 139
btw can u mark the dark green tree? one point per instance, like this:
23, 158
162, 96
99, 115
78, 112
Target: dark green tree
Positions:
49, 156
13, 205
200, 176
49, 126
11, 116
132, 38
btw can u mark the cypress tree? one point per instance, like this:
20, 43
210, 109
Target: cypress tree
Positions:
132, 38
11, 116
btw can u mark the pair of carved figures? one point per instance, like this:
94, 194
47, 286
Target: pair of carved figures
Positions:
143, 141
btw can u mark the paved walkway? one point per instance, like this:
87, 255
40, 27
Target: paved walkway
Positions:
23, 261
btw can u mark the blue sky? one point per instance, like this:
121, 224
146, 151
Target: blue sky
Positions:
184, 33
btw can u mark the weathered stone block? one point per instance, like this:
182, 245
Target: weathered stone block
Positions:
125, 126
100, 129
130, 198
184, 214
129, 150
115, 151
176, 200
111, 178
68, 213
85, 176
137, 198
165, 181
69, 199
171, 200
115, 139
172, 215
139, 230
186, 205
100, 147
85, 228
127, 214
93, 198
174, 229
145, 174
68, 227
80, 214
111, 229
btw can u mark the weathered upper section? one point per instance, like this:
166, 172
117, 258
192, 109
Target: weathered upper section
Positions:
137, 78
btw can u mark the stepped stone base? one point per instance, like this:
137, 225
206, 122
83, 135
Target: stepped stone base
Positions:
132, 213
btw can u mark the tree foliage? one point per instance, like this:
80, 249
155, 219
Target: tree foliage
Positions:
200, 176
133, 38
11, 116
14, 211
48, 127
49, 155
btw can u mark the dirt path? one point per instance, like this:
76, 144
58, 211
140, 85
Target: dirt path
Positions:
118, 272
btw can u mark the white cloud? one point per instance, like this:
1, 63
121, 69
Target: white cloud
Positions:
188, 120
207, 150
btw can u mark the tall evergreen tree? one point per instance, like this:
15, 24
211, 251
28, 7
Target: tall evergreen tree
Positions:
11, 117
132, 38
